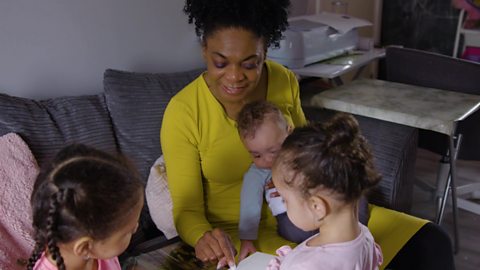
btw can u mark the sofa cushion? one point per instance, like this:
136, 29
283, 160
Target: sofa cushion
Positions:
159, 200
136, 102
47, 125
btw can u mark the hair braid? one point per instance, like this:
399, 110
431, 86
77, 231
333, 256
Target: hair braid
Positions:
36, 253
55, 200
82, 191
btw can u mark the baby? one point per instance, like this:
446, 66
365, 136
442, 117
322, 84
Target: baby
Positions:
262, 129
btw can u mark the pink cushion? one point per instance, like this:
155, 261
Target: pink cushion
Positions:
18, 170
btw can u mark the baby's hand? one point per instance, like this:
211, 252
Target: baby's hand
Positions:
246, 248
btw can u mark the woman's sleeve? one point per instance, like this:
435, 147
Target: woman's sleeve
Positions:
178, 136
298, 117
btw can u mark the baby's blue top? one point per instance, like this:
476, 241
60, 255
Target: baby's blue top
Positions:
251, 201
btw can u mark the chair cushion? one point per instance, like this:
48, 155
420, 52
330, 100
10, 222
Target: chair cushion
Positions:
47, 125
136, 102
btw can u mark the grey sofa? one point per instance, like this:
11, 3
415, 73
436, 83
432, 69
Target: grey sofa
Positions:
127, 117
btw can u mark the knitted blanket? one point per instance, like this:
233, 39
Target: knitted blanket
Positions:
18, 170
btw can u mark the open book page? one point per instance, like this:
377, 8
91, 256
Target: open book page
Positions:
180, 256
176, 256
256, 261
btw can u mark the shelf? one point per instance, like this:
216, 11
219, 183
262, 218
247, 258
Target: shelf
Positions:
474, 31
465, 37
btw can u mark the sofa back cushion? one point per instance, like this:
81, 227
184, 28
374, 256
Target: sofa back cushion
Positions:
47, 125
136, 102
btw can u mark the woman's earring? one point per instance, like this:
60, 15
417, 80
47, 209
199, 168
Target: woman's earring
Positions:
86, 258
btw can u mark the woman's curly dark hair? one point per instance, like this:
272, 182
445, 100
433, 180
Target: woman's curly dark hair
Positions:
265, 18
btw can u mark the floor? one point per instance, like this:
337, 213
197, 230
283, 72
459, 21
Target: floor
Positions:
468, 256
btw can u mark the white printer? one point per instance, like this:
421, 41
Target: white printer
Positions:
313, 38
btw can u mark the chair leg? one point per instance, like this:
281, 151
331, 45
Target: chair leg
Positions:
473, 192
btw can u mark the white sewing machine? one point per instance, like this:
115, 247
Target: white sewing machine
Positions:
313, 38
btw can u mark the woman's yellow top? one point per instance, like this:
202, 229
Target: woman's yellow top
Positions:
205, 162
205, 159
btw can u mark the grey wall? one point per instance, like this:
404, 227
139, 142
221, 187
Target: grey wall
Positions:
61, 47
51, 48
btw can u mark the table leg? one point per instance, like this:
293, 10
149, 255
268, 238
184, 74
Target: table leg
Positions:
473, 190
451, 187
443, 202
443, 173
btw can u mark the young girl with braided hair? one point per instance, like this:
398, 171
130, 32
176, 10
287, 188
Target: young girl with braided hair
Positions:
86, 205
321, 172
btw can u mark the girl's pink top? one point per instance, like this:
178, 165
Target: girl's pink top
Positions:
362, 253
111, 264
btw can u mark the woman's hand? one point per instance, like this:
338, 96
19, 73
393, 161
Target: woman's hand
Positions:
214, 246
246, 248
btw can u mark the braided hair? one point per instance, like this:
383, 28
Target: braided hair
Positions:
83, 192
265, 18
333, 155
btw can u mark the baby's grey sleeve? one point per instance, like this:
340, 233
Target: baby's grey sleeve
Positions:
251, 201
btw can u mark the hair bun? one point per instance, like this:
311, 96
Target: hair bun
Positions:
342, 129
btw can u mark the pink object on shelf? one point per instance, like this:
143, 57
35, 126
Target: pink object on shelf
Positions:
471, 53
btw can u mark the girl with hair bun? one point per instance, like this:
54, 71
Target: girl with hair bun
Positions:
321, 172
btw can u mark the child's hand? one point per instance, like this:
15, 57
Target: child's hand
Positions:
246, 248
275, 263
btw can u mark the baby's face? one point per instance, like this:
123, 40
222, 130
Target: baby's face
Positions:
266, 143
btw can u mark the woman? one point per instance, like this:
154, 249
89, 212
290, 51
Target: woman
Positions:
205, 159
204, 156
